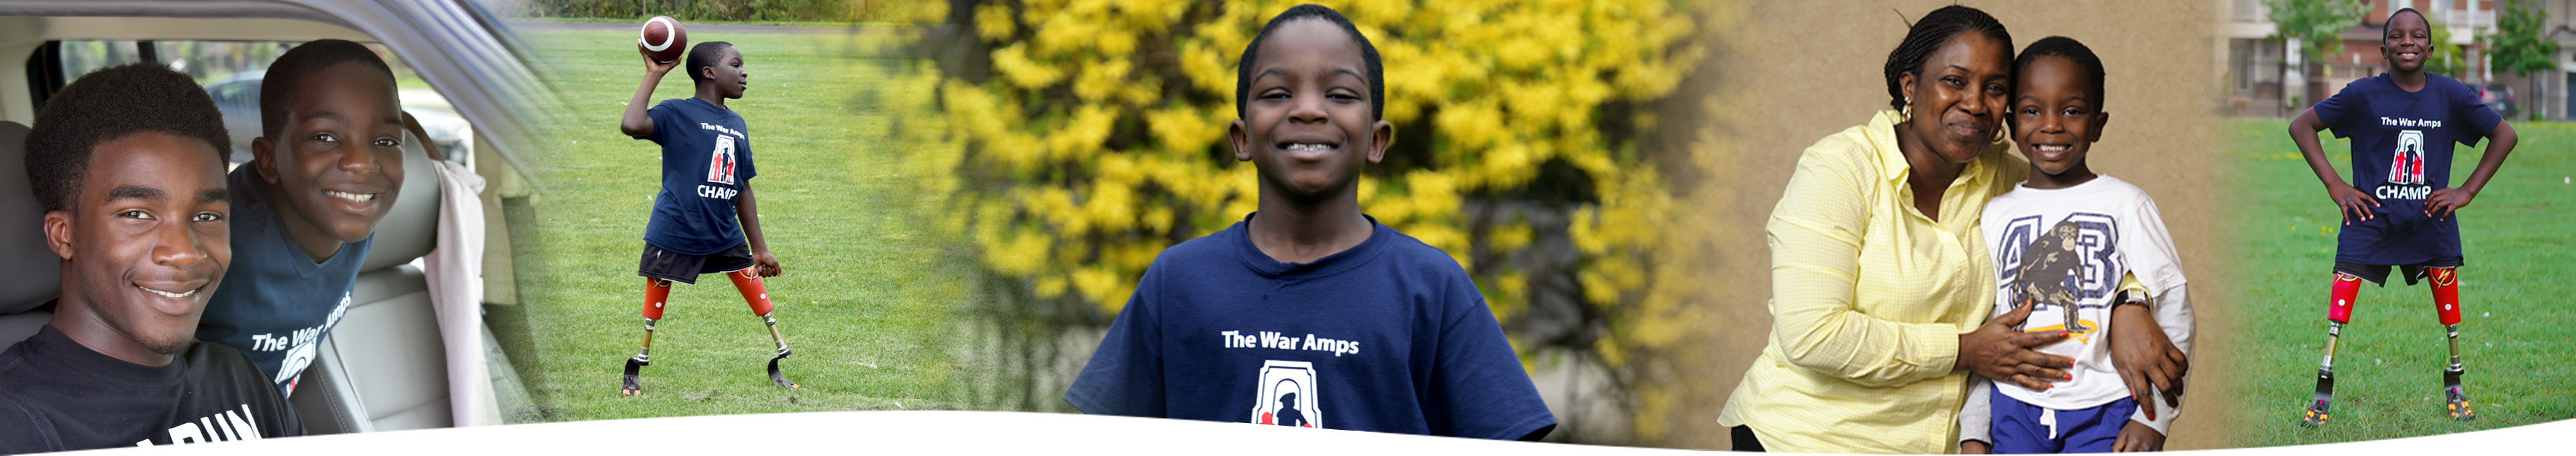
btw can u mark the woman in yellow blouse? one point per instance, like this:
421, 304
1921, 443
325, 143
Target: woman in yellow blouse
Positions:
1880, 279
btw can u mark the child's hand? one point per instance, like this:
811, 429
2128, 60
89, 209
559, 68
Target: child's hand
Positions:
767, 265
652, 67
1975, 447
2137, 437
2145, 357
2443, 202
2354, 204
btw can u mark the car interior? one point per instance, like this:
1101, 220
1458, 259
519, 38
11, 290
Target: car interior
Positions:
384, 367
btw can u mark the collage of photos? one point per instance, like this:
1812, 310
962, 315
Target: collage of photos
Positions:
1584, 226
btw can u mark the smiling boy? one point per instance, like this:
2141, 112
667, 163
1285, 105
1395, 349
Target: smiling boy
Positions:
325, 169
2398, 210
128, 163
2091, 254
1309, 313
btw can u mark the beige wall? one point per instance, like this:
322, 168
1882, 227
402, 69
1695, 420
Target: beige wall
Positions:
1798, 71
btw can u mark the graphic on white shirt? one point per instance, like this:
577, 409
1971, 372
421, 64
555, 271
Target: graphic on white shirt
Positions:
2062, 271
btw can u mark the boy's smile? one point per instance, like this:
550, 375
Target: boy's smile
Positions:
2054, 119
338, 161
1307, 113
148, 239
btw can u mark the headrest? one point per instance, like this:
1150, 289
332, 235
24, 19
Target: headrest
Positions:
35, 274
410, 229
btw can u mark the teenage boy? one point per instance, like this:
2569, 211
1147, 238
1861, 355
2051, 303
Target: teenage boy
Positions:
325, 169
704, 220
2091, 253
2398, 210
1309, 313
128, 163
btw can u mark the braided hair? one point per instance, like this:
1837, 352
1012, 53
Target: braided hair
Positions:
1931, 32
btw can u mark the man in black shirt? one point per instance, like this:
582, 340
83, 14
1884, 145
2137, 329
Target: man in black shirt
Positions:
129, 165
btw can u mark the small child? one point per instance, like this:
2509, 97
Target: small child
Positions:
327, 166
2091, 252
704, 220
2397, 210
1309, 313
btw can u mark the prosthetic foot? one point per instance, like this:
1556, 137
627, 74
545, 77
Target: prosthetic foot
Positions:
635, 366
2317, 413
775, 376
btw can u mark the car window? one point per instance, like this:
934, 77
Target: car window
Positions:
231, 72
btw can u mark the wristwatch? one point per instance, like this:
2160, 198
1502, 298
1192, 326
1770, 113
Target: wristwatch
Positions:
2127, 297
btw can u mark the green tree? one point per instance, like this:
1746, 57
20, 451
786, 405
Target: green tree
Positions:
2317, 24
2446, 59
2519, 45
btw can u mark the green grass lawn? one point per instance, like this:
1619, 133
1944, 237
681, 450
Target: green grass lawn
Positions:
869, 301
2514, 332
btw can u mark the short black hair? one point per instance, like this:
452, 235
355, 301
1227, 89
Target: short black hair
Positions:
111, 104
703, 55
2392, 20
1928, 34
285, 78
2072, 51
1368, 55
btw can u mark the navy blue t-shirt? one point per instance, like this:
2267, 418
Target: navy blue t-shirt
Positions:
276, 303
1388, 336
706, 161
2401, 152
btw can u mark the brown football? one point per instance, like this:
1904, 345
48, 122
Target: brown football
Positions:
663, 40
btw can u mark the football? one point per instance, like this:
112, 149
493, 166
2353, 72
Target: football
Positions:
663, 40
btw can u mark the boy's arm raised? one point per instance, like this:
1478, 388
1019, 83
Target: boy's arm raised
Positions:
748, 211
2352, 203
635, 123
2499, 144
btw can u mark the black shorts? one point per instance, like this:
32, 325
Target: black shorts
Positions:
684, 268
2377, 274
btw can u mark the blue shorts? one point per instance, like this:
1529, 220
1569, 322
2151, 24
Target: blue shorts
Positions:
2021, 428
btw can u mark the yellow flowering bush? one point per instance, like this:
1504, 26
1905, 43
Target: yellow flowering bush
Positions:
1091, 135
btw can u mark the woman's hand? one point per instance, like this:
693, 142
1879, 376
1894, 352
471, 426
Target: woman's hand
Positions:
1999, 353
2145, 357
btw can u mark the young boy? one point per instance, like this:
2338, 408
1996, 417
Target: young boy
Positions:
128, 163
2398, 209
704, 220
1309, 313
326, 168
2091, 253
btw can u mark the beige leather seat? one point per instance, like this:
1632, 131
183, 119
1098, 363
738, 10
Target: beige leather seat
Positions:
35, 274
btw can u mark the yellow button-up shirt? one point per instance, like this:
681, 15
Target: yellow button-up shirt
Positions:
1868, 298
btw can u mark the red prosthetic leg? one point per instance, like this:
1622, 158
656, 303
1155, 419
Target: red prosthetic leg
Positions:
2338, 312
656, 292
2446, 302
757, 295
